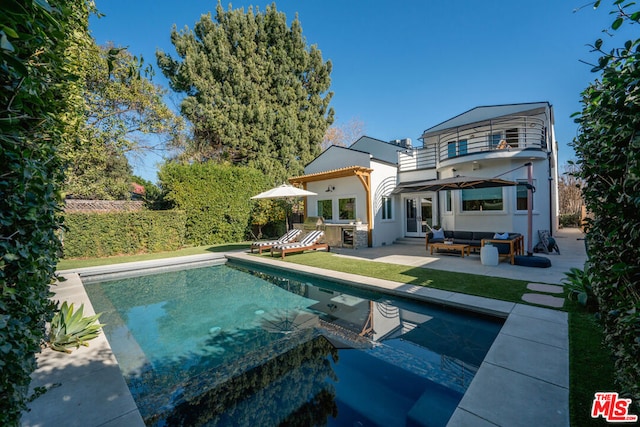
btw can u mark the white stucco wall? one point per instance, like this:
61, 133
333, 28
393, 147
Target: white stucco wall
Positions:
383, 182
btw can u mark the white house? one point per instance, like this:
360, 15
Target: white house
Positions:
384, 183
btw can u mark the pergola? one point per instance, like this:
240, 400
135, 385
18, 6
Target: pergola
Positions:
362, 173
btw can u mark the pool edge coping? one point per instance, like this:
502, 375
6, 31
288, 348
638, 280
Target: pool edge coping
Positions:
551, 402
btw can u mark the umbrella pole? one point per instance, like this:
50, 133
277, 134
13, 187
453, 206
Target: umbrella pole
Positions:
529, 208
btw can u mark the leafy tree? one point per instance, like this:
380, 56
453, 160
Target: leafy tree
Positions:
608, 150
256, 95
40, 108
152, 193
570, 196
122, 105
344, 135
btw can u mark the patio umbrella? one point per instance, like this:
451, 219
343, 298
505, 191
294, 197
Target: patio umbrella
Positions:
458, 182
462, 183
468, 182
287, 192
284, 191
286, 321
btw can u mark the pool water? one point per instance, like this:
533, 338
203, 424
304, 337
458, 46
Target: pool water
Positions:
225, 345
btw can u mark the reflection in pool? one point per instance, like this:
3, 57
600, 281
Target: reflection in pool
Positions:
225, 345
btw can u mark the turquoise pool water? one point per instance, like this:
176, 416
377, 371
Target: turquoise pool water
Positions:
226, 345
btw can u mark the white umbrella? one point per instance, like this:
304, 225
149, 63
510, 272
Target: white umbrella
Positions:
284, 191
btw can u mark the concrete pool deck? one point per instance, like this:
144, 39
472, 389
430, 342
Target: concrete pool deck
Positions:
524, 379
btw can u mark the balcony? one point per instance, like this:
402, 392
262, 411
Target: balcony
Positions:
495, 137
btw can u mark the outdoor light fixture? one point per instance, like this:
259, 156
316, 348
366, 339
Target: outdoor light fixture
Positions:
330, 189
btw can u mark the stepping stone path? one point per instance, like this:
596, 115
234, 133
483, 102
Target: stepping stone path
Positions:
542, 299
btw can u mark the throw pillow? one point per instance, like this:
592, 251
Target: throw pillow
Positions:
438, 234
501, 236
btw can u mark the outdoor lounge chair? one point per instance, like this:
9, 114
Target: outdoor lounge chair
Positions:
289, 237
308, 242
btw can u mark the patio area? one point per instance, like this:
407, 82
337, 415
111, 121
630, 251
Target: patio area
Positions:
412, 252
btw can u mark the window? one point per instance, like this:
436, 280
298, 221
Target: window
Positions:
347, 208
456, 148
325, 209
462, 147
482, 199
494, 140
448, 206
387, 207
521, 195
511, 135
451, 149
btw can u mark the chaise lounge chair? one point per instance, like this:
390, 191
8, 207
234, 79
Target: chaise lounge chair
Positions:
308, 242
289, 237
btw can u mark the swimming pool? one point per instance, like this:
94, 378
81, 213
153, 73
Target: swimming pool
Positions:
225, 345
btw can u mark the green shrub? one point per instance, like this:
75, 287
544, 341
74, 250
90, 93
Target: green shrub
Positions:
570, 220
216, 199
608, 151
96, 235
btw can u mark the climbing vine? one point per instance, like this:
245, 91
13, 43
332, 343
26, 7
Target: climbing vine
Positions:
40, 107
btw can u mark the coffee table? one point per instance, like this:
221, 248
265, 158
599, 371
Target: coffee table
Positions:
452, 247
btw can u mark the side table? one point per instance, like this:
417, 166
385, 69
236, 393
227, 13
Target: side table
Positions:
489, 255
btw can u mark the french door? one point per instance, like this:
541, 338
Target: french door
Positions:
419, 214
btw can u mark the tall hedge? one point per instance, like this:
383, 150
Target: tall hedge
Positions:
216, 199
95, 235
40, 105
608, 151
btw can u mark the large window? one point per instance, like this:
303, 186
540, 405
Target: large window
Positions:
347, 208
521, 195
387, 207
325, 209
482, 199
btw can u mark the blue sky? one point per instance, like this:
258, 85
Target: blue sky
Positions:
400, 67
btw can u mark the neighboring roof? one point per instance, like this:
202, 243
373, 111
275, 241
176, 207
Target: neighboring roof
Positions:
480, 114
387, 151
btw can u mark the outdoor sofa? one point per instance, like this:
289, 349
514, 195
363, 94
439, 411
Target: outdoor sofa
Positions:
508, 244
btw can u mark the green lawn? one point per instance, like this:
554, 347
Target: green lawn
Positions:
591, 366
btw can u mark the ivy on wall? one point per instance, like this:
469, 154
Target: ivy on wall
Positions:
40, 108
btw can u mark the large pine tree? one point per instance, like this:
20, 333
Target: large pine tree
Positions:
256, 94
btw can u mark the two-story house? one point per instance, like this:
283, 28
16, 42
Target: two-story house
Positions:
387, 184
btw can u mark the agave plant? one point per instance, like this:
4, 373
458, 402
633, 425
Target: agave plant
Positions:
580, 287
69, 329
